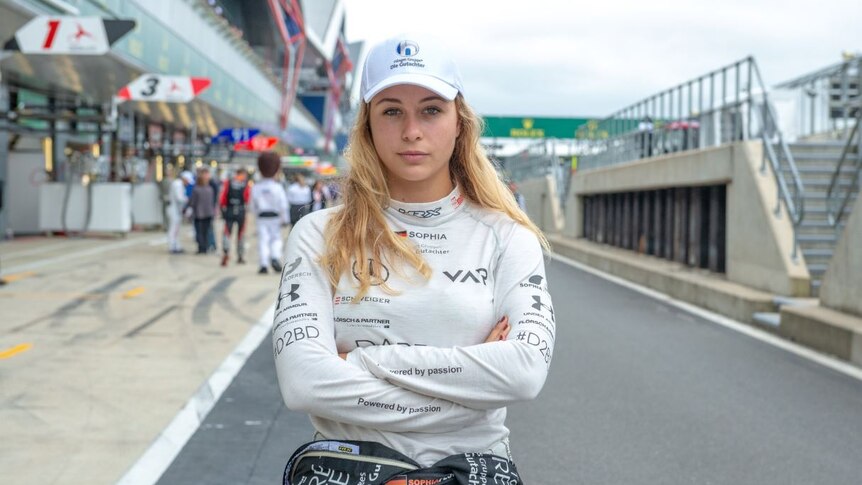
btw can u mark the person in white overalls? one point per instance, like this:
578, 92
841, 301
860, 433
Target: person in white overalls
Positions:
269, 203
177, 201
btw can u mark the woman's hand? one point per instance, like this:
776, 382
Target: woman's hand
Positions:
500, 331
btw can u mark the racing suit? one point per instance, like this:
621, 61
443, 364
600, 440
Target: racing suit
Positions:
177, 200
269, 202
235, 195
418, 376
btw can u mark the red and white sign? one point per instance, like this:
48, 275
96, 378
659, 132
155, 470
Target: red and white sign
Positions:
69, 35
257, 144
161, 87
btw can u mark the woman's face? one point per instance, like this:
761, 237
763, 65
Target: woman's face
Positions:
414, 132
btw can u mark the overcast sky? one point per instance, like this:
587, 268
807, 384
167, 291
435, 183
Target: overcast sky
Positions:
590, 58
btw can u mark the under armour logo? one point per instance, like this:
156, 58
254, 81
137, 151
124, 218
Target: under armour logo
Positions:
538, 305
292, 294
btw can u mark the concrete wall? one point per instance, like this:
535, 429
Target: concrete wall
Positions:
842, 283
759, 243
147, 205
26, 174
706, 167
110, 207
543, 204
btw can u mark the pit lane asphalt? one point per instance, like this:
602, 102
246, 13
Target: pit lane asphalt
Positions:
639, 392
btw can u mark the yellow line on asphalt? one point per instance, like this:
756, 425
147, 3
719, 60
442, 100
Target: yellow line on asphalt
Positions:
133, 292
32, 295
15, 350
18, 276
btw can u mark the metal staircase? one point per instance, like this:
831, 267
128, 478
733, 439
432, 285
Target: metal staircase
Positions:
817, 236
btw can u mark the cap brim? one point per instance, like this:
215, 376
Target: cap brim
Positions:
444, 89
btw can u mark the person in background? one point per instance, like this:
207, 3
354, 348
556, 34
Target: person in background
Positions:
645, 129
211, 244
269, 203
187, 211
203, 207
235, 195
334, 192
299, 198
190, 186
177, 201
319, 195
519, 197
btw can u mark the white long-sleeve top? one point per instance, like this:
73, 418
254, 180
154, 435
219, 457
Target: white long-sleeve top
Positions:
177, 197
269, 196
298, 194
418, 377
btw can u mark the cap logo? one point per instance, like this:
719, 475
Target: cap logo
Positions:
407, 48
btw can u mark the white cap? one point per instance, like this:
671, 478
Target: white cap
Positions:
187, 176
410, 59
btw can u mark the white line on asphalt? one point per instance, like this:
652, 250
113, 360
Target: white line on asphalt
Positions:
161, 453
43, 249
67, 257
822, 359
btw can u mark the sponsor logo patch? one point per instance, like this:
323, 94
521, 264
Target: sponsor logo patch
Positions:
423, 214
539, 305
378, 272
479, 275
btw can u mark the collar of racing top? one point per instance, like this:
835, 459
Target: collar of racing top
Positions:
428, 213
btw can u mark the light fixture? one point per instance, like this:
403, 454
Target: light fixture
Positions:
48, 150
159, 168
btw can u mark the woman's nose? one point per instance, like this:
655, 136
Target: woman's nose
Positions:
411, 130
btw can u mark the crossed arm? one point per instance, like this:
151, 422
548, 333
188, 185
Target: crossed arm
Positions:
365, 387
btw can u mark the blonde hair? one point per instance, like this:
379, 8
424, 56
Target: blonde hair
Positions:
358, 232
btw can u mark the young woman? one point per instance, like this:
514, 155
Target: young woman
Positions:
412, 314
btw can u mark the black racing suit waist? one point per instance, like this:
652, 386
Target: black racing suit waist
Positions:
268, 214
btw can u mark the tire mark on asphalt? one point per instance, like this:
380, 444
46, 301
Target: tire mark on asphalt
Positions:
201, 312
228, 305
135, 331
98, 295
99, 303
260, 296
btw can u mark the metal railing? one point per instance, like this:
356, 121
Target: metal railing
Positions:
537, 160
712, 109
837, 202
726, 105
827, 99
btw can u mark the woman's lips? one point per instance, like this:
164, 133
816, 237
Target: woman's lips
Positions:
412, 156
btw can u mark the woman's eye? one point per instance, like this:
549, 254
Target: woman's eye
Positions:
391, 112
433, 110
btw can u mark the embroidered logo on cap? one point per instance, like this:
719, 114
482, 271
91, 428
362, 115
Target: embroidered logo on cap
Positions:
407, 48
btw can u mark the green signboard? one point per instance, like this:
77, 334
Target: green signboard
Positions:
531, 127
